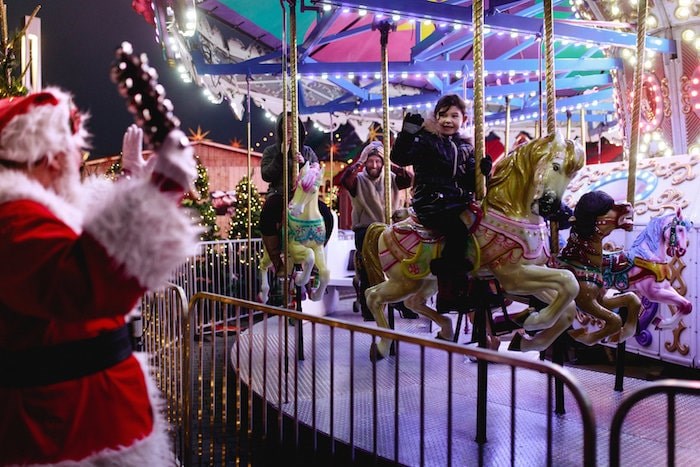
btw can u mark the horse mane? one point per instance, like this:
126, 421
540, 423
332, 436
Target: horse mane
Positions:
525, 166
589, 207
310, 177
370, 253
649, 241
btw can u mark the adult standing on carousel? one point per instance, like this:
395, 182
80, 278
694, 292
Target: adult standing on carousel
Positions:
76, 257
272, 171
364, 180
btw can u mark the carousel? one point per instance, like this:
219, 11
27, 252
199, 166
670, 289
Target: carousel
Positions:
607, 93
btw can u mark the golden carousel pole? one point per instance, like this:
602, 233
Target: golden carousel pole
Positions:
637, 102
385, 26
583, 129
479, 148
285, 196
568, 124
330, 150
551, 100
507, 135
249, 233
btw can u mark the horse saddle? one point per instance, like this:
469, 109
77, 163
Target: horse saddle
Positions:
616, 262
411, 225
414, 246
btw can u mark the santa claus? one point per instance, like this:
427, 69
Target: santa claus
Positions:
76, 258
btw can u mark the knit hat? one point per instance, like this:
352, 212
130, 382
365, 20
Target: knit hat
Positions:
39, 124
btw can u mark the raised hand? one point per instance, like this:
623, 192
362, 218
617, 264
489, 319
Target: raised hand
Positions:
412, 123
175, 168
132, 155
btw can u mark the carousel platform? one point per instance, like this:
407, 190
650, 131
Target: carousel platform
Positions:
643, 439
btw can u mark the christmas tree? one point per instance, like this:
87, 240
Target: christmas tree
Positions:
238, 226
203, 204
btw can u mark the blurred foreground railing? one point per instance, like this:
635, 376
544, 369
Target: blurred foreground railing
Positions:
245, 397
670, 388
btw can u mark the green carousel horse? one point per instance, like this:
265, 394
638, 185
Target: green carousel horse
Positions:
307, 234
510, 243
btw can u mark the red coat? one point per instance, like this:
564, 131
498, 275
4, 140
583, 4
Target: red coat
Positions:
69, 274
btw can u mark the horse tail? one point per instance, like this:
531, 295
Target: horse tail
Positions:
370, 253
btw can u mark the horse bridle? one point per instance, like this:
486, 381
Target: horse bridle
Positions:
674, 249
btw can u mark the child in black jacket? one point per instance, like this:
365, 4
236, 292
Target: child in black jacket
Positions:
443, 191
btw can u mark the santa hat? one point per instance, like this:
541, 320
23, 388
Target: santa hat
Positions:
38, 125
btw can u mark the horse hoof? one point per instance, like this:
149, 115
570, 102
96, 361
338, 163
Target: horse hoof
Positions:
516, 342
374, 354
440, 338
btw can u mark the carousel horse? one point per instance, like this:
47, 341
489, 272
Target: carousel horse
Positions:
307, 233
644, 268
595, 217
510, 243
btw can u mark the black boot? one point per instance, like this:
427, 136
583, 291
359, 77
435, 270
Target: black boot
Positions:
453, 284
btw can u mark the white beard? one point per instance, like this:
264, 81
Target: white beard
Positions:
67, 185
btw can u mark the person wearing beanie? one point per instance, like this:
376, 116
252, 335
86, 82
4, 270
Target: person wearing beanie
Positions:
364, 180
272, 171
76, 258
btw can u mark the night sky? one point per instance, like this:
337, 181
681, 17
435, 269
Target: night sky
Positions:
79, 38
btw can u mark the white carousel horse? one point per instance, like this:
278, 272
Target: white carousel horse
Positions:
307, 233
644, 268
511, 243
596, 216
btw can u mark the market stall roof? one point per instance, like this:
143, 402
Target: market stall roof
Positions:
235, 44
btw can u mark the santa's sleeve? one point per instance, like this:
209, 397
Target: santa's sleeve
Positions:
141, 230
133, 237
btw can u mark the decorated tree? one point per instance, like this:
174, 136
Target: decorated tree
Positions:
11, 77
203, 204
238, 226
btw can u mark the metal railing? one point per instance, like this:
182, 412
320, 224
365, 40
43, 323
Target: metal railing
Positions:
223, 267
671, 388
247, 389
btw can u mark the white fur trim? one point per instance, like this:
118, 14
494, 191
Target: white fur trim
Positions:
142, 229
154, 450
15, 185
43, 131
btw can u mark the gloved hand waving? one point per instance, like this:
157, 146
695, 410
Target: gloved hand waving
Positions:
412, 123
133, 163
175, 168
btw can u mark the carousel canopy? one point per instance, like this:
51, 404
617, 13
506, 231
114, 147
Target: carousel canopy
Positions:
232, 47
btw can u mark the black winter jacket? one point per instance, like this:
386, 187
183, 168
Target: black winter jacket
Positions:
444, 170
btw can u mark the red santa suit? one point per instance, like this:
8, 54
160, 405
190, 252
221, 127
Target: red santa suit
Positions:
71, 391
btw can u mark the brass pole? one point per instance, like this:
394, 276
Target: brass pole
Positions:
479, 144
285, 154
293, 57
583, 129
568, 124
551, 101
549, 66
330, 198
507, 136
384, 28
637, 102
249, 245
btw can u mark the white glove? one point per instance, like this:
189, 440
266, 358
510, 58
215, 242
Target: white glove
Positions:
132, 156
374, 146
175, 168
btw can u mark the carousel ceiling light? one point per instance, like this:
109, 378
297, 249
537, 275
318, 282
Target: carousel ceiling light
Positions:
697, 43
688, 35
396, 17
326, 7
682, 12
361, 12
652, 22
